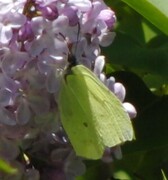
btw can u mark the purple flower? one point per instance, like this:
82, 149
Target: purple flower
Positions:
8, 22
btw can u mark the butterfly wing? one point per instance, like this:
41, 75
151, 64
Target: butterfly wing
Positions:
107, 111
91, 115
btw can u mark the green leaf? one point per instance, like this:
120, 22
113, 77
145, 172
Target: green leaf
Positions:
164, 176
142, 164
91, 114
156, 11
5, 167
142, 59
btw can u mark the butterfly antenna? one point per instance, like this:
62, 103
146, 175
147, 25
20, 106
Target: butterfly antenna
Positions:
77, 38
73, 57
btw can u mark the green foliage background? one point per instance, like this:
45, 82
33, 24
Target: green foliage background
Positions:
138, 58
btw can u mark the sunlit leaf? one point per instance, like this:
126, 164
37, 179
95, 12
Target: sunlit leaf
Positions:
5, 167
153, 10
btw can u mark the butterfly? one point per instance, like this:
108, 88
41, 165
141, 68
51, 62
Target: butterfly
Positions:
91, 115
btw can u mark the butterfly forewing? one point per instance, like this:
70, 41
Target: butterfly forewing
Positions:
107, 111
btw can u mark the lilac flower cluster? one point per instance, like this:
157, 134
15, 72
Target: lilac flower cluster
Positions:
36, 38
